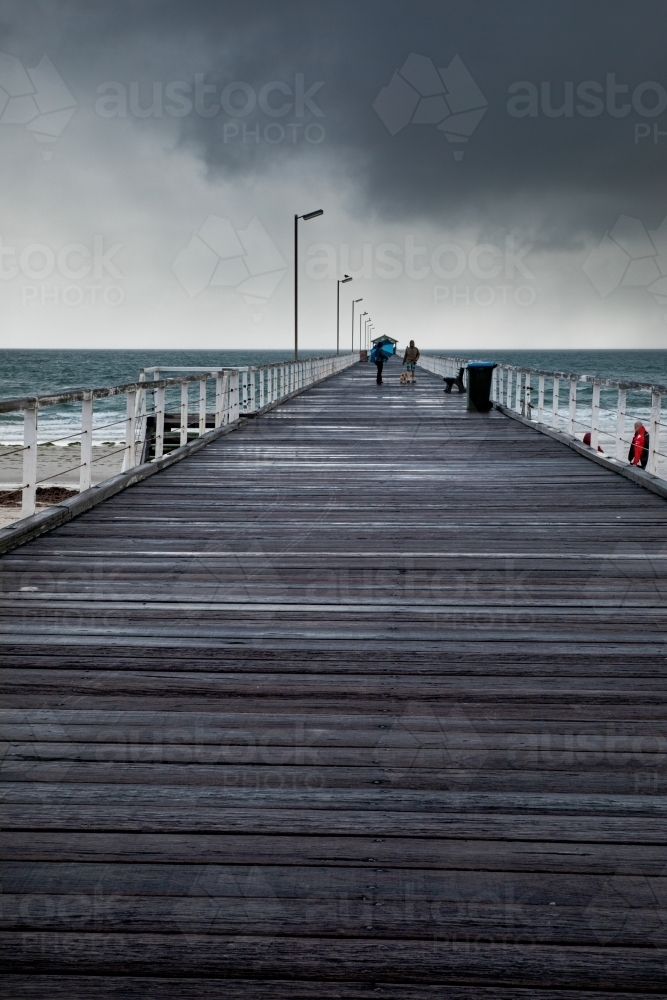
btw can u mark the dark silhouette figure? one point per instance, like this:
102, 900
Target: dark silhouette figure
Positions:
458, 382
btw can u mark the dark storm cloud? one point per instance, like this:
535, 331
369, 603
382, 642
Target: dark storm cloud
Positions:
567, 174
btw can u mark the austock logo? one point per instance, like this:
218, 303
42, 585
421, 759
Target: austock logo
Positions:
35, 98
630, 910
218, 256
447, 742
420, 94
630, 256
631, 580
238, 902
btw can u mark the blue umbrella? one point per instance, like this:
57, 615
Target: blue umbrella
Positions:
384, 347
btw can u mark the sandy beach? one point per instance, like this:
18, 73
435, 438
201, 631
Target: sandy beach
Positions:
55, 467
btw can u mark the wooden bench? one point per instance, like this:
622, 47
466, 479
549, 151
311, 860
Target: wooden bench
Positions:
458, 382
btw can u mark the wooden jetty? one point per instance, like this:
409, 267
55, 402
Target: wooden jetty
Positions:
366, 699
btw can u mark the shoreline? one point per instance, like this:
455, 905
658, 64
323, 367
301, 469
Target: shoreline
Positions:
56, 467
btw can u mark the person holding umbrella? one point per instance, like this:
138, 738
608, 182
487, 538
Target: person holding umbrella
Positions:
378, 359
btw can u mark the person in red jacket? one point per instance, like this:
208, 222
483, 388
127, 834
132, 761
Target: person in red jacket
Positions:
638, 454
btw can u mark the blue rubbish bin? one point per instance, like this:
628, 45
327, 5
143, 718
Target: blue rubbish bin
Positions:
479, 386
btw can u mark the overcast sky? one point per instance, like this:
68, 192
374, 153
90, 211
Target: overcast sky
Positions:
492, 174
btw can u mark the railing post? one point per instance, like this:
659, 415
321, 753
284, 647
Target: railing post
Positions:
555, 392
526, 397
654, 432
185, 405
509, 388
540, 399
202, 406
620, 423
517, 400
141, 408
595, 416
218, 399
572, 412
29, 492
85, 472
234, 408
252, 376
130, 459
159, 422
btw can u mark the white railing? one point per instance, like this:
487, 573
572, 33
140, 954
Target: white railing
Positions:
445, 367
576, 404
224, 396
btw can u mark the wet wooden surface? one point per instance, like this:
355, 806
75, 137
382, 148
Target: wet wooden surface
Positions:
365, 700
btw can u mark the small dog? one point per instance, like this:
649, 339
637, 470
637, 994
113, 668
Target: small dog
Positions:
404, 378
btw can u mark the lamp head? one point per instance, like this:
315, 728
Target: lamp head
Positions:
345, 279
312, 215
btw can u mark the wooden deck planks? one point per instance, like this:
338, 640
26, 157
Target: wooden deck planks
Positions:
365, 699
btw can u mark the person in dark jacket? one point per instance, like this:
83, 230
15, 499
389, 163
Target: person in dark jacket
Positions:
638, 454
379, 360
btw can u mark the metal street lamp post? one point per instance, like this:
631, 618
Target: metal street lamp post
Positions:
306, 217
360, 319
354, 302
341, 281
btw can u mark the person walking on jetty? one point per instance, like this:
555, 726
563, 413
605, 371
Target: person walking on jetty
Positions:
410, 359
378, 359
638, 454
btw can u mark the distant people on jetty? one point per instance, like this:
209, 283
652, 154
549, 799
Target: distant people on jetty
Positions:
638, 454
410, 359
587, 440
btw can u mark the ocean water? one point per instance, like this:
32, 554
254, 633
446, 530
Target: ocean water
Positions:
32, 373
633, 366
35, 372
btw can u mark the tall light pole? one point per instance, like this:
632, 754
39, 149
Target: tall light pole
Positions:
360, 319
370, 332
354, 302
366, 332
341, 281
309, 215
